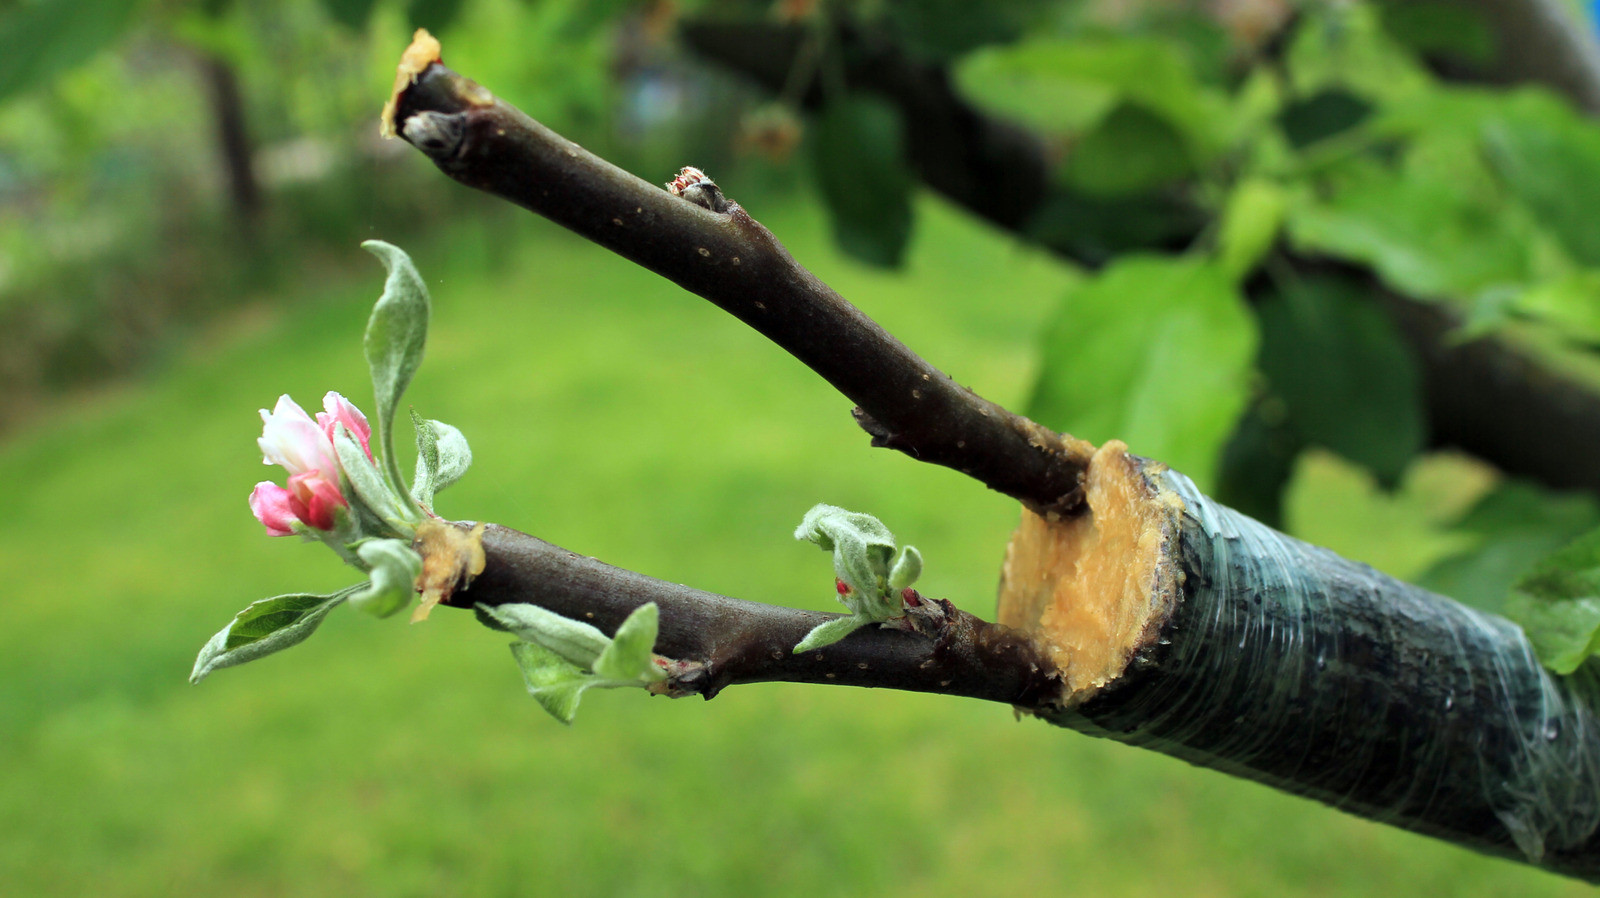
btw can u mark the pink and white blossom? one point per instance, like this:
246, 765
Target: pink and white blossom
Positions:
338, 410
304, 448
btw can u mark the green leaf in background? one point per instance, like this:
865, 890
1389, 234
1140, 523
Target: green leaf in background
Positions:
396, 335
352, 14
1064, 87
443, 456
1097, 228
1549, 156
394, 569
1453, 30
1347, 380
630, 655
1515, 525
1258, 462
1344, 45
554, 682
264, 627
1157, 352
941, 29
1326, 114
1558, 604
434, 15
1250, 223
1570, 304
1131, 150
856, 154
1437, 226
49, 37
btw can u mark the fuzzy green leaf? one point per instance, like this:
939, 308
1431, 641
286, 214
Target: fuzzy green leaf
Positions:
369, 492
1558, 604
265, 627
576, 641
395, 568
629, 656
396, 335
830, 632
554, 682
443, 456
906, 569
861, 548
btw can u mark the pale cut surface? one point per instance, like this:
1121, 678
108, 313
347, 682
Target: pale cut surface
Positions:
423, 52
1094, 589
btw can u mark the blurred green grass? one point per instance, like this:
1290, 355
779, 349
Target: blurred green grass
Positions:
616, 415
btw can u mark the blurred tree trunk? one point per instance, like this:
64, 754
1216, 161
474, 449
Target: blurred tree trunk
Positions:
233, 138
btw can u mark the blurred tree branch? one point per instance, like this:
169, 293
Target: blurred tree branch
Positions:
1488, 397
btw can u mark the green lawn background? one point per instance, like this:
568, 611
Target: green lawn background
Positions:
620, 417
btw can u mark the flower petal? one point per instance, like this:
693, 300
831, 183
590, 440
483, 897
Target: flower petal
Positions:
316, 498
339, 410
270, 504
290, 438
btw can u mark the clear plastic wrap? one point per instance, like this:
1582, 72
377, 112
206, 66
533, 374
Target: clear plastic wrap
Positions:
1286, 664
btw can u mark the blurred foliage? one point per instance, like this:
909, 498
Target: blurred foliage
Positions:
1316, 132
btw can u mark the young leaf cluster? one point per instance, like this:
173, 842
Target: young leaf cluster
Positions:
561, 658
870, 575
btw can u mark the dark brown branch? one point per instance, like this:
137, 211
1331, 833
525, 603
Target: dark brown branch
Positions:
730, 641
733, 261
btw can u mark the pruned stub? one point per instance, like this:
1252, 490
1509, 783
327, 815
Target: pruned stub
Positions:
1094, 589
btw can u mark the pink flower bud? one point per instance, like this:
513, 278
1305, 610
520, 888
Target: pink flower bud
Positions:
289, 437
270, 504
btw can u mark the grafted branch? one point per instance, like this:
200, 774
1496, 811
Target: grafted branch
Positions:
1152, 615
